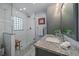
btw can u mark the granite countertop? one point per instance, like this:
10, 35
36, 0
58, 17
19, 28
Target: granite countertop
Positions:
55, 47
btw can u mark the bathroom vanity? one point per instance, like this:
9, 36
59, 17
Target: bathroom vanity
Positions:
52, 48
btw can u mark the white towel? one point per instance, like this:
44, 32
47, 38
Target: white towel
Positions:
65, 44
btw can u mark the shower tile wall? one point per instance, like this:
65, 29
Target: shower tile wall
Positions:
26, 35
6, 24
5, 19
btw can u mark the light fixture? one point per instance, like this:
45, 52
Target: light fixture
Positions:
24, 8
20, 9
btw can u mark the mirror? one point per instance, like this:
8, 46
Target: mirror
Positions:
62, 18
53, 16
68, 26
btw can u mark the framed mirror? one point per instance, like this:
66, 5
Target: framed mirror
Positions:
69, 20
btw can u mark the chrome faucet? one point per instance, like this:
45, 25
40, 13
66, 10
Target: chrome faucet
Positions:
61, 36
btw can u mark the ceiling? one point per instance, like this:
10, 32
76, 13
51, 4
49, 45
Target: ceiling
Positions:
31, 7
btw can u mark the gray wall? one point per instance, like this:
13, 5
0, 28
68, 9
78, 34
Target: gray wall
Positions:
78, 22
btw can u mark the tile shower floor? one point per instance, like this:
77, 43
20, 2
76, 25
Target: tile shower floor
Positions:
30, 51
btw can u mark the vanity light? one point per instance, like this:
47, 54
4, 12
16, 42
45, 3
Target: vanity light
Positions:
24, 8
20, 9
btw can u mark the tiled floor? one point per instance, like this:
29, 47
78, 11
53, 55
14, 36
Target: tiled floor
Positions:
29, 51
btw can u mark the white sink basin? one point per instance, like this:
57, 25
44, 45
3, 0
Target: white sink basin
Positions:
52, 39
